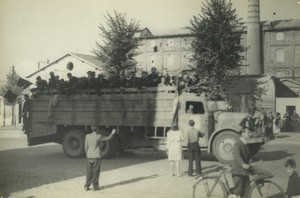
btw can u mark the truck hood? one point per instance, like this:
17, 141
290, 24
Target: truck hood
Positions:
228, 119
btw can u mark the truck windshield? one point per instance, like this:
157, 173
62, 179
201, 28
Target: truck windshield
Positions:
194, 107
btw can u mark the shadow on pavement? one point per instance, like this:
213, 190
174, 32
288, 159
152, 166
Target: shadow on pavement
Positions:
129, 181
282, 136
272, 155
204, 156
35, 166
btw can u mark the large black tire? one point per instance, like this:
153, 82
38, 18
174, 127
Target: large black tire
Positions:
109, 148
223, 145
73, 143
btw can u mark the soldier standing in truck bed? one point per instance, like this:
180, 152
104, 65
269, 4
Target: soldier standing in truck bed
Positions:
153, 78
91, 80
73, 81
52, 81
41, 84
143, 80
101, 81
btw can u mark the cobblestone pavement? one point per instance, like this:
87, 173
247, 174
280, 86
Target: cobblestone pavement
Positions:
45, 171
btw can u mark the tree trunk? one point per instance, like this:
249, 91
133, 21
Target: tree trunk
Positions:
4, 115
13, 114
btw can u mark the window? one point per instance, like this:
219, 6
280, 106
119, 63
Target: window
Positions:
279, 55
279, 36
152, 60
194, 108
153, 43
170, 59
70, 66
170, 42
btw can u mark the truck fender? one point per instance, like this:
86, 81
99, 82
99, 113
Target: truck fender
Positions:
215, 133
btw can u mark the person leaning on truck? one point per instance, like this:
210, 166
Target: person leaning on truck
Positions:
194, 151
248, 123
93, 153
25, 112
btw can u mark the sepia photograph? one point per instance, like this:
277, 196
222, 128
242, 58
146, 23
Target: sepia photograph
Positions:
153, 99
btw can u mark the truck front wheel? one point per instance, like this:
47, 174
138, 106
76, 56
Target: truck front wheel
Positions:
73, 143
223, 145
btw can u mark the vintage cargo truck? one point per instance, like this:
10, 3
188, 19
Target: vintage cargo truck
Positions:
142, 118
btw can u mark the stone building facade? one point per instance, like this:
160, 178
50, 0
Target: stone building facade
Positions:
280, 49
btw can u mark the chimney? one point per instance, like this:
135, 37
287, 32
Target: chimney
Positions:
254, 61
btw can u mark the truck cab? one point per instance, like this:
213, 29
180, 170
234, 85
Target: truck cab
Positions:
194, 107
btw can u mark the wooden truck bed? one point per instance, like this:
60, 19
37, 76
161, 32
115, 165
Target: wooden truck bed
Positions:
151, 108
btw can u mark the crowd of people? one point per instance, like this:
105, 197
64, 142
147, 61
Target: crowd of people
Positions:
271, 125
128, 80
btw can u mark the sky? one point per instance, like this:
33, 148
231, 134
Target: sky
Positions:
37, 30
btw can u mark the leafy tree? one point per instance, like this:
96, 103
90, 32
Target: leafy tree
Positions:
119, 44
11, 86
12, 93
215, 43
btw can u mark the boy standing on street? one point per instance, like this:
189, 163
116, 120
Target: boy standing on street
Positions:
93, 153
293, 187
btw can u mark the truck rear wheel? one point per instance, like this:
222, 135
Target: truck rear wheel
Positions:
73, 143
223, 145
109, 148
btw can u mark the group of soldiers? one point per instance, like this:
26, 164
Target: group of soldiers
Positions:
153, 79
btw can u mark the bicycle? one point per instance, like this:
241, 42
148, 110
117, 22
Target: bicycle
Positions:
211, 185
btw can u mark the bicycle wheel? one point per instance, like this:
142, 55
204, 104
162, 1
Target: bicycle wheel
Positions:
209, 187
265, 189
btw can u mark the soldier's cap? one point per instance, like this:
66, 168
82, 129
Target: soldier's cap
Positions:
38, 78
51, 73
89, 72
69, 74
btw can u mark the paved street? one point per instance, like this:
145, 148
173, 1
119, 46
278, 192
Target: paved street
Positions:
45, 171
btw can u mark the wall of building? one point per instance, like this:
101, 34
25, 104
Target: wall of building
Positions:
282, 53
164, 52
283, 103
